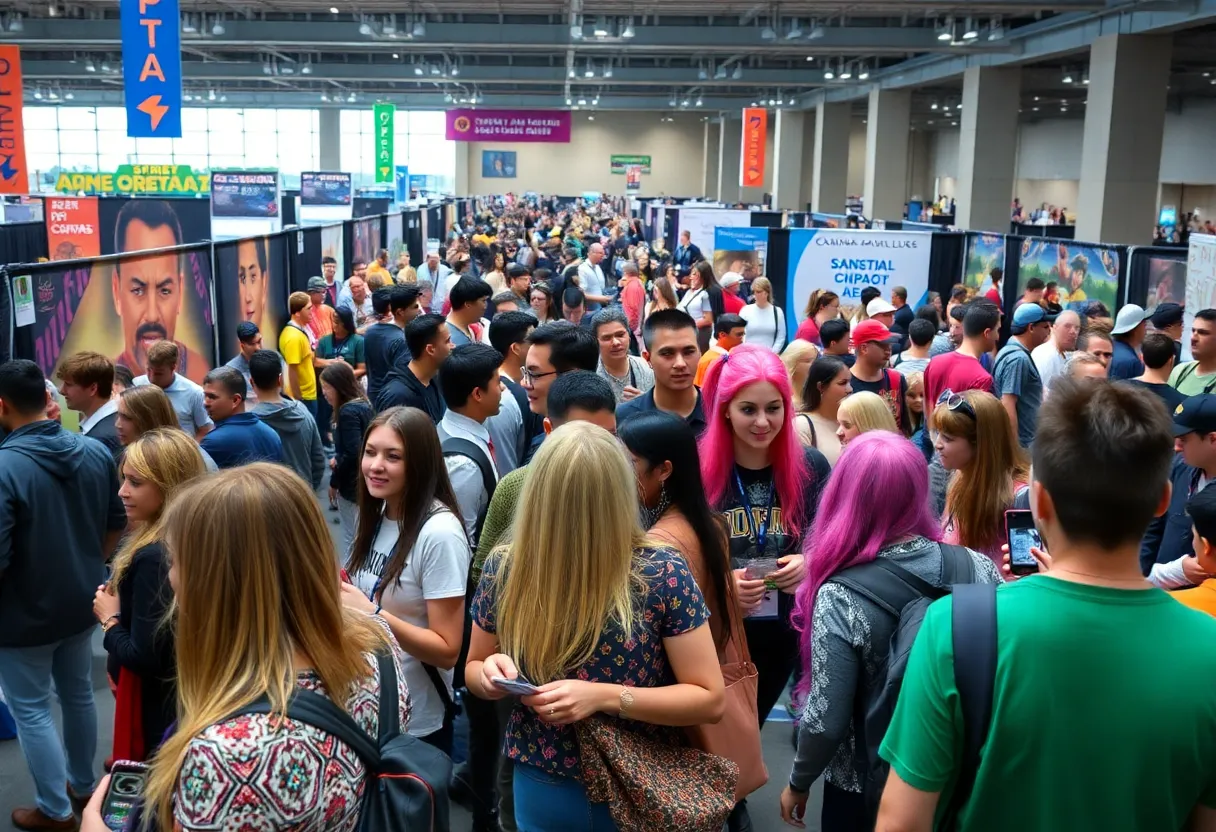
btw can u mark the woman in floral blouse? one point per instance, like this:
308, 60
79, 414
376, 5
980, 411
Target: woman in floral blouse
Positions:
259, 614
602, 619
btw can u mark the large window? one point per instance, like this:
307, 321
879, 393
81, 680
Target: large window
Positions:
94, 139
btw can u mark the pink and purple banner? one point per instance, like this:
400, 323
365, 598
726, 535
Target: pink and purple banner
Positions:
508, 126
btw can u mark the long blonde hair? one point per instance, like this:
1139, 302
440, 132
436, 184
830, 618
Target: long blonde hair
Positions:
256, 585
979, 494
570, 570
790, 356
168, 459
868, 412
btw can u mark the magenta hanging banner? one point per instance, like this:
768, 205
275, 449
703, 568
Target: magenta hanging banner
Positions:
508, 126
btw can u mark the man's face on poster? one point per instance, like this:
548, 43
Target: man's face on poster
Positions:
252, 280
147, 290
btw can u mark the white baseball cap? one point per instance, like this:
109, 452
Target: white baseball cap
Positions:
878, 306
730, 279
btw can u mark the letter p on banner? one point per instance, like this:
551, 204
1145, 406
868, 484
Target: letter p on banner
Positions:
152, 67
751, 158
14, 175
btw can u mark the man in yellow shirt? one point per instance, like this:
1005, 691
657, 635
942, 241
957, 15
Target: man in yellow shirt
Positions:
297, 350
729, 329
1202, 510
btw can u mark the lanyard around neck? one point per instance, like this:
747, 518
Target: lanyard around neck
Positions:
760, 534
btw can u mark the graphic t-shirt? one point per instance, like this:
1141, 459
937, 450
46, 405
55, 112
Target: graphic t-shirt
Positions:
886, 389
297, 352
436, 567
673, 605
1100, 714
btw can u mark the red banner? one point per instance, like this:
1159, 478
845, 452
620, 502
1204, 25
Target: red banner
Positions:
755, 134
71, 227
14, 176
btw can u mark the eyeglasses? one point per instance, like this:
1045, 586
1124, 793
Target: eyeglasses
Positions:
529, 377
954, 401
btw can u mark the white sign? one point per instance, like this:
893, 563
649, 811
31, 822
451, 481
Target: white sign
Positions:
701, 222
1200, 284
845, 261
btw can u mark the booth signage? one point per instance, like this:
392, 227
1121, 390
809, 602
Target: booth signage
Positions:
325, 188
14, 176
152, 67
755, 134
72, 228
620, 164
508, 125
245, 194
136, 180
382, 119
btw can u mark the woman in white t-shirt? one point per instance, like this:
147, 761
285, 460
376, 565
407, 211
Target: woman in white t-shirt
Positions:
410, 560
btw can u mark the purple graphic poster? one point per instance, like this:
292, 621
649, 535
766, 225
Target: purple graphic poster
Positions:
508, 125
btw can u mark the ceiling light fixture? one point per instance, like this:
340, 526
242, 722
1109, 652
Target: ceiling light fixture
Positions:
933, 106
996, 29
352, 97
608, 70
969, 30
946, 33
365, 28
223, 99
846, 72
1085, 78
568, 102
436, 70
266, 68
795, 31
89, 66
698, 101
325, 97
576, 28
864, 74
188, 25
1067, 76
768, 32
15, 23
52, 95
455, 71
69, 96
672, 102
419, 30
628, 32
601, 27
105, 66
306, 69
582, 102
390, 26
816, 30
720, 72
38, 95
419, 69
589, 72
828, 75
217, 28
702, 73
52, 10
333, 9
595, 102
210, 95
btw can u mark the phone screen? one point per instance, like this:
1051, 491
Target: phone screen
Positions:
1023, 536
126, 789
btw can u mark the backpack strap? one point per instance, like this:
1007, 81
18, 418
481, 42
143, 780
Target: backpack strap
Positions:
887, 584
974, 640
957, 565
811, 425
456, 446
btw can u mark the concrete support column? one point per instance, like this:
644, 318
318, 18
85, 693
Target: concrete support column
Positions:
886, 183
709, 177
787, 159
463, 151
1121, 149
729, 150
830, 168
330, 138
987, 147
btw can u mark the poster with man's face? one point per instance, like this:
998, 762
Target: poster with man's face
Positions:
251, 285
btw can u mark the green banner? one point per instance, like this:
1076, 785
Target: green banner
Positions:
382, 119
136, 179
619, 163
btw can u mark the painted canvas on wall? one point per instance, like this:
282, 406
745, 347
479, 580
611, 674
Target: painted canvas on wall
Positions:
1166, 282
498, 164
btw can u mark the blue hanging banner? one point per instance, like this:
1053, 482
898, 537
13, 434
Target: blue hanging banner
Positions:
152, 68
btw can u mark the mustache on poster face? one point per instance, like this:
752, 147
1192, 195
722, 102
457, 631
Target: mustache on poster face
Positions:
151, 329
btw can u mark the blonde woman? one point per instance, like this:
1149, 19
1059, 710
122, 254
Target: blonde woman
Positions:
259, 615
132, 607
602, 619
860, 413
765, 320
798, 358
145, 408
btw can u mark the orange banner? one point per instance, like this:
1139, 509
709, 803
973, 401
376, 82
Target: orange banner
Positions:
71, 227
755, 134
14, 176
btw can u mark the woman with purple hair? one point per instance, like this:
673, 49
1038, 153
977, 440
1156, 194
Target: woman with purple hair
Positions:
876, 506
767, 485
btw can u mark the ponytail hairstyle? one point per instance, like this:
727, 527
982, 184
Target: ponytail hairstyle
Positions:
749, 364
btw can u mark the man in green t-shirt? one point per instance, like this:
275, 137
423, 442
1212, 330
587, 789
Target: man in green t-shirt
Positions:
1104, 708
1198, 377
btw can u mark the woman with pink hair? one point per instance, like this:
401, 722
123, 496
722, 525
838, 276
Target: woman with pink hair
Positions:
876, 519
757, 474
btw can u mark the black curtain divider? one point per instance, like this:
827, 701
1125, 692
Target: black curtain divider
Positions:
777, 269
947, 250
412, 222
348, 248
287, 207
366, 206
434, 224
6, 316
1055, 232
895, 225
767, 219
22, 242
306, 260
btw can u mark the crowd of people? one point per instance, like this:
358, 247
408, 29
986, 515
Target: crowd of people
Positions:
596, 522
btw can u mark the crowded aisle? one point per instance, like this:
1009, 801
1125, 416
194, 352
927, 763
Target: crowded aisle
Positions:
497, 544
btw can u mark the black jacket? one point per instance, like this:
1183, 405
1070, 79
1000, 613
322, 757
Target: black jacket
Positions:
383, 349
353, 419
58, 500
141, 643
106, 432
1168, 537
403, 389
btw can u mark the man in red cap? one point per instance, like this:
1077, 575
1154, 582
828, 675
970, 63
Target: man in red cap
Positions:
872, 343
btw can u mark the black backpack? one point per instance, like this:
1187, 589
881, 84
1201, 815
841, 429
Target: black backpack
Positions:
906, 597
407, 785
455, 446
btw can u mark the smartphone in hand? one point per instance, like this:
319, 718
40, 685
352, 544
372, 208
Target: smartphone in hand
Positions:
127, 782
1023, 536
518, 686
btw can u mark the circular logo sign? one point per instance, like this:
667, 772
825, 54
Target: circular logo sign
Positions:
462, 124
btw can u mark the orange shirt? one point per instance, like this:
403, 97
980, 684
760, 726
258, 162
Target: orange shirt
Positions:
321, 322
711, 355
1202, 597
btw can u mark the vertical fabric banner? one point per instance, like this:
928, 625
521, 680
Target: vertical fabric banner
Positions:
152, 68
382, 119
72, 228
755, 134
14, 177
633, 178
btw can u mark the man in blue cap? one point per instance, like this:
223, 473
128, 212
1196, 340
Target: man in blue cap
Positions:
1015, 379
1166, 552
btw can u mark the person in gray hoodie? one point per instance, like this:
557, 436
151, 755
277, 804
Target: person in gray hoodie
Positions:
60, 518
302, 451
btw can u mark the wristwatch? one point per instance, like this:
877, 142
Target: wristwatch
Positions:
626, 702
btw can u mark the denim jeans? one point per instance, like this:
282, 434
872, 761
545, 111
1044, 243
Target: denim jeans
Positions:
552, 803
311, 406
25, 675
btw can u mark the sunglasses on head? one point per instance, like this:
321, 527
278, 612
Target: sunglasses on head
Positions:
954, 401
